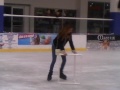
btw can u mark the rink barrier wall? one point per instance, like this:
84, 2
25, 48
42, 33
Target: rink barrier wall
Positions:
29, 42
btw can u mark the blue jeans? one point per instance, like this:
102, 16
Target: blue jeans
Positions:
54, 56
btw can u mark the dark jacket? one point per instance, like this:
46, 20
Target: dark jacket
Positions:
59, 43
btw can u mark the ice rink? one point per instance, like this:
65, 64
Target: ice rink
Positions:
96, 70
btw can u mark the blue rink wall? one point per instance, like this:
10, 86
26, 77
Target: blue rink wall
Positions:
115, 24
1, 18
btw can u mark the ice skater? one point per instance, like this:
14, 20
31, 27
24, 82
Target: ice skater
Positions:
105, 44
64, 36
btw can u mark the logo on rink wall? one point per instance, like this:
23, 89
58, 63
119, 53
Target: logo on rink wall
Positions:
94, 41
108, 37
102, 37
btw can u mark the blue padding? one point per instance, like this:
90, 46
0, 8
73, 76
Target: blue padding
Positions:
115, 24
1, 18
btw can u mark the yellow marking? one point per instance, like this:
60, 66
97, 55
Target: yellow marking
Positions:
36, 50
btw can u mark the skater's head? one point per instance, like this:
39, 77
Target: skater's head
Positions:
105, 40
66, 31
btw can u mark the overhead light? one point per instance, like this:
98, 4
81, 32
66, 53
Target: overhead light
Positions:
90, 5
107, 4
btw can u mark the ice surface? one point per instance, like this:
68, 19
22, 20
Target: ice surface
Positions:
96, 70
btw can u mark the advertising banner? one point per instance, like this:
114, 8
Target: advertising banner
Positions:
9, 40
35, 39
97, 41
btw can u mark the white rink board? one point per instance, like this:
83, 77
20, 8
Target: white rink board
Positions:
80, 41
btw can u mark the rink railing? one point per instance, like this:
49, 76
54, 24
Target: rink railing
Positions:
53, 17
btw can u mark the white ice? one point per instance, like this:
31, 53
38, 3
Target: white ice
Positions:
96, 70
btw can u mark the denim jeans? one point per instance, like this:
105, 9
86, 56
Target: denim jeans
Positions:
54, 57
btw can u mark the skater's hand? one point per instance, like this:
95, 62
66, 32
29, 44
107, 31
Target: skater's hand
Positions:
64, 52
73, 51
